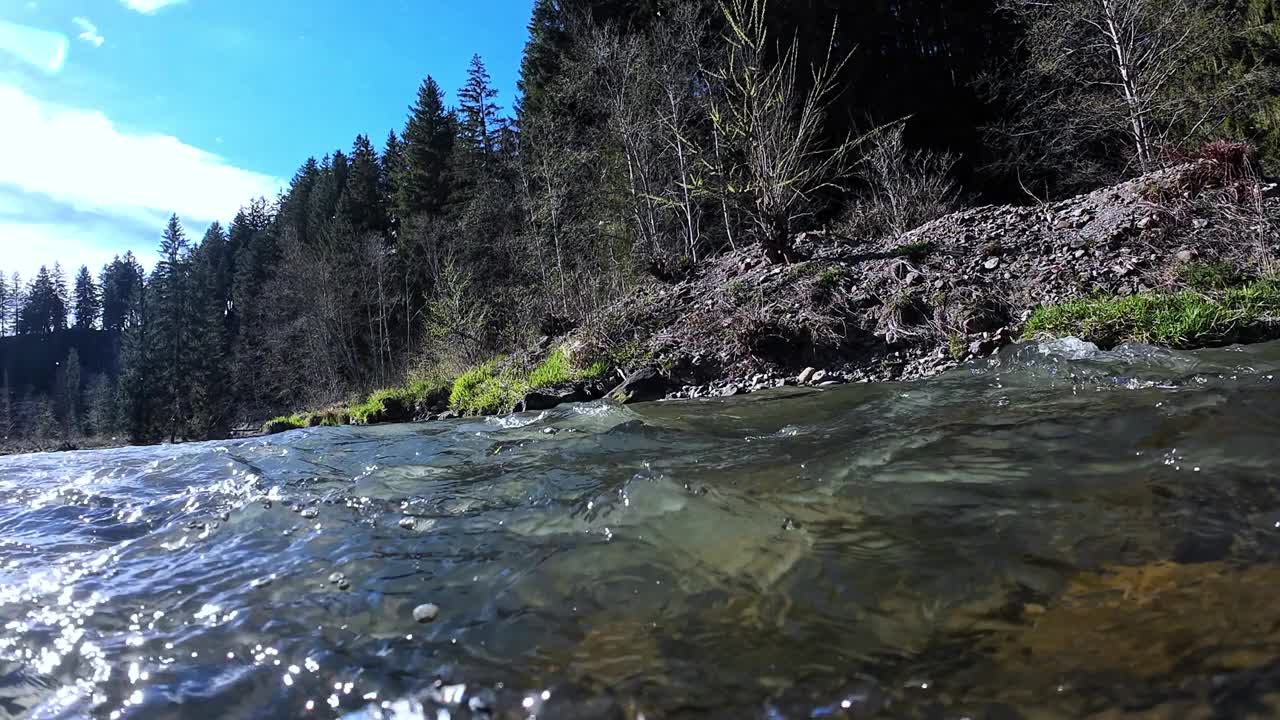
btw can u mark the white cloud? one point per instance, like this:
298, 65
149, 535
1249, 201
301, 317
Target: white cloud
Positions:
111, 189
41, 48
149, 6
89, 32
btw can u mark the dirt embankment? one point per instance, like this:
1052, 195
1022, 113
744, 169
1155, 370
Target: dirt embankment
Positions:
959, 287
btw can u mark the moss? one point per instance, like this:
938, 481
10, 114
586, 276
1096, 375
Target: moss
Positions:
956, 347
1181, 320
915, 252
284, 423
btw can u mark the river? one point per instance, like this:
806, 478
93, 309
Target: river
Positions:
1057, 532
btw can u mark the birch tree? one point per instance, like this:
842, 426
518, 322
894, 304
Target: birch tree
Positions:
1112, 77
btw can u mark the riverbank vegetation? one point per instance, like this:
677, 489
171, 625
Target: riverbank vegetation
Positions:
651, 142
1186, 319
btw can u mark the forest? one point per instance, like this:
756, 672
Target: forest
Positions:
648, 137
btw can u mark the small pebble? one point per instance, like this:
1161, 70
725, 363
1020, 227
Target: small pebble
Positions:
344, 584
425, 613
337, 578
309, 513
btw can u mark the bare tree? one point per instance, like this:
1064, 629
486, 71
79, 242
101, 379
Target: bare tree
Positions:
1115, 73
902, 189
773, 132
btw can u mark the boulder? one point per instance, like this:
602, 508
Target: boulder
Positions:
548, 398
644, 385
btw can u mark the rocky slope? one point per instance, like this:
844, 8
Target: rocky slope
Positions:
959, 287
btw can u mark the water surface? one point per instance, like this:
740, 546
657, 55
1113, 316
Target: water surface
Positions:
1059, 532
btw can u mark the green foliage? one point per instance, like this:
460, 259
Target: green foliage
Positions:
494, 387
1209, 276
284, 423
830, 278
956, 347
741, 292
387, 405
916, 252
483, 389
1184, 319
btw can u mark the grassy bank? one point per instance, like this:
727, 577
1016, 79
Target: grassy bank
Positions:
492, 387
1186, 319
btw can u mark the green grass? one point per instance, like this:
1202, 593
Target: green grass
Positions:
487, 388
1180, 320
494, 388
284, 423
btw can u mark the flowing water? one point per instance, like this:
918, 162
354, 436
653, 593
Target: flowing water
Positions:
1058, 532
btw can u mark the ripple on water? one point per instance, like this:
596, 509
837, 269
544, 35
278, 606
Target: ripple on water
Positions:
873, 551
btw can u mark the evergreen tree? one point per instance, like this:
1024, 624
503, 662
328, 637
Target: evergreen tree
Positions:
5, 300
388, 170
210, 403
101, 407
172, 312
137, 399
63, 307
17, 298
43, 311
549, 39
362, 202
70, 390
295, 205
478, 127
422, 186
87, 301
325, 194
117, 283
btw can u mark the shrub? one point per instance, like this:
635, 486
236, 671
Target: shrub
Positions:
915, 252
1209, 276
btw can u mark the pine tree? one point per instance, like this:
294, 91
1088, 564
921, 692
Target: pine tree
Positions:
388, 170
5, 299
62, 294
70, 391
172, 280
87, 300
543, 54
362, 201
17, 298
422, 186
101, 407
478, 127
210, 403
137, 398
42, 311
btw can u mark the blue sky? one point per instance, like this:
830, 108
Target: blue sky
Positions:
114, 113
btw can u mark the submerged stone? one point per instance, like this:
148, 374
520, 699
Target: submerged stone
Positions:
425, 613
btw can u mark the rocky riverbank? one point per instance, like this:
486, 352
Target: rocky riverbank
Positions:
961, 287
1184, 257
